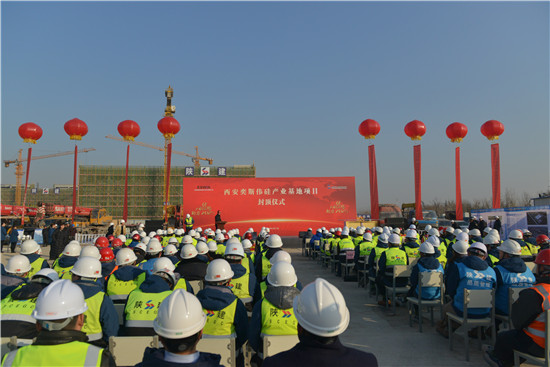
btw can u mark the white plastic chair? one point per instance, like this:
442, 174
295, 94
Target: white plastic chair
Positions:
536, 360
398, 271
427, 279
128, 350
513, 294
224, 346
197, 285
119, 308
274, 344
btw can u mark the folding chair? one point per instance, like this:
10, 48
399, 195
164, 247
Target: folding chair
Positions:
362, 272
473, 298
8, 344
316, 249
427, 279
372, 279
513, 295
128, 350
531, 265
119, 308
225, 346
274, 344
304, 246
349, 264
536, 360
398, 271
197, 285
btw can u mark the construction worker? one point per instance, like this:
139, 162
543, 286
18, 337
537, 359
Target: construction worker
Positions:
108, 264
440, 251
153, 253
322, 315
125, 278
170, 252
101, 320
388, 259
140, 252
66, 261
376, 252
178, 235
59, 312
493, 256
411, 243
543, 242
189, 221
526, 253
475, 236
530, 241
528, 319
273, 244
426, 263
346, 244
472, 272
191, 267
143, 302
17, 306
226, 315
31, 249
274, 315
135, 239
17, 271
511, 272
243, 282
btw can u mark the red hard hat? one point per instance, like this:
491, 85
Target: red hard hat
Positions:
136, 237
542, 239
102, 242
248, 236
543, 258
338, 233
110, 237
106, 255
226, 236
117, 242
158, 237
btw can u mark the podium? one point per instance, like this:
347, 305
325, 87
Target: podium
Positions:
220, 224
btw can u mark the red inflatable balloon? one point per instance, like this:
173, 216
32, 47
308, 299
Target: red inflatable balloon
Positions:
168, 126
492, 129
415, 129
76, 129
456, 132
30, 132
369, 128
128, 129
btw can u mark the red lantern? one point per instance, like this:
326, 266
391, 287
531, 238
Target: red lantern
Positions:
456, 132
30, 132
415, 129
492, 129
76, 129
128, 129
168, 126
369, 128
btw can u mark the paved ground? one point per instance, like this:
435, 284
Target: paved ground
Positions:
372, 329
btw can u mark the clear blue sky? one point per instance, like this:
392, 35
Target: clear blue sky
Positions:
286, 85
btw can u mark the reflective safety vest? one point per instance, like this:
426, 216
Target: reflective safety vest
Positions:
326, 246
221, 323
92, 324
36, 265
511, 280
179, 238
142, 308
64, 273
164, 241
346, 244
240, 287
526, 251
189, 222
411, 251
378, 251
119, 289
536, 329
18, 310
266, 266
357, 240
534, 249
442, 260
365, 248
395, 256
473, 279
428, 292
277, 321
71, 354
263, 287
221, 249
128, 241
494, 259
181, 284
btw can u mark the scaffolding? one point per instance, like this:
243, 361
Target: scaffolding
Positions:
61, 196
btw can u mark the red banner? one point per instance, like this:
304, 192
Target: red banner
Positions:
495, 169
459, 212
374, 206
285, 205
418, 183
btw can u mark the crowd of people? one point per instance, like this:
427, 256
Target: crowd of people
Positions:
181, 284
469, 258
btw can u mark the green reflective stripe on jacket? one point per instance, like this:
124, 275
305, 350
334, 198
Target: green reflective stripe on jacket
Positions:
395, 256
36, 265
276, 321
128, 241
181, 284
73, 354
357, 240
142, 308
92, 323
365, 248
221, 322
526, 251
346, 244
117, 287
20, 310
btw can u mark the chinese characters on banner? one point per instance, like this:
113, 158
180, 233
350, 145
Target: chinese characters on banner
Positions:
287, 205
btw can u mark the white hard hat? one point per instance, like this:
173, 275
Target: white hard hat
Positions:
122, 221
394, 239
179, 232
187, 239
212, 246
274, 241
321, 309
18, 264
47, 273
234, 249
510, 247
72, 249
142, 234
141, 246
59, 300
434, 240
134, 232
192, 233
180, 315
87, 267
164, 265
220, 237
360, 231
345, 232
411, 233
173, 240
475, 232
486, 230
478, 246
282, 274
202, 248
433, 232
122, 238
280, 256
427, 228
457, 231
187, 215
112, 224
159, 232
74, 241
491, 240
412, 226
495, 233
29, 247
426, 248
463, 236
170, 230
449, 230
233, 240
246, 244
218, 270
154, 246
396, 231
461, 247
90, 251
383, 238
218, 231
367, 237
125, 256
188, 252
152, 234
516, 235
170, 250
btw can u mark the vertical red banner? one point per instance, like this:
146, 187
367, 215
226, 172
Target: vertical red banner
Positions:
74, 180
167, 190
29, 154
495, 169
459, 212
125, 209
374, 206
418, 182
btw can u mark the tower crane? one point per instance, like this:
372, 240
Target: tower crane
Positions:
195, 158
19, 167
